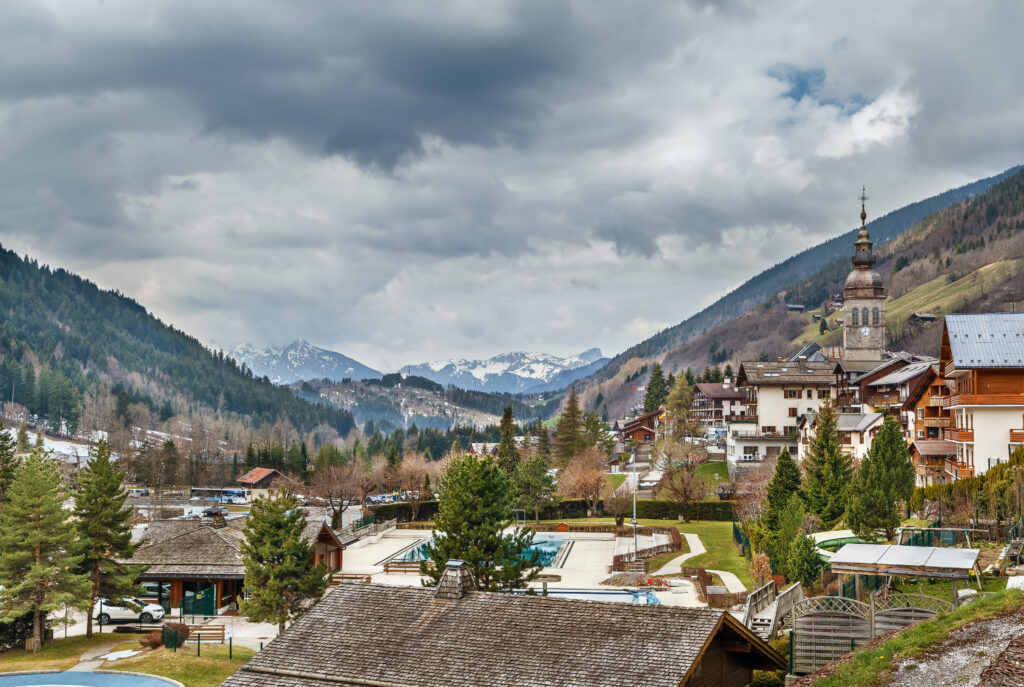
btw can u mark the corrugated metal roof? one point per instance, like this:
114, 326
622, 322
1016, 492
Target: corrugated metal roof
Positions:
877, 558
986, 339
899, 376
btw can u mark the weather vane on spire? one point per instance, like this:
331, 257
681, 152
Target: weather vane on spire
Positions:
863, 213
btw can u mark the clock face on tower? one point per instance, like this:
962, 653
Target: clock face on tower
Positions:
864, 331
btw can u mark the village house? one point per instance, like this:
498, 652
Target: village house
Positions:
856, 431
982, 360
260, 481
713, 404
183, 558
777, 394
889, 392
643, 429
369, 634
926, 410
934, 462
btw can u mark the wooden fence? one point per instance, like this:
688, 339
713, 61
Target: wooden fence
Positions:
405, 566
826, 627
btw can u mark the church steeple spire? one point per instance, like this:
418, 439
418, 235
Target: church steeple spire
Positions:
863, 258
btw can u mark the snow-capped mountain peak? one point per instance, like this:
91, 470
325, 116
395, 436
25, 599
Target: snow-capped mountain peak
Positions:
514, 372
301, 360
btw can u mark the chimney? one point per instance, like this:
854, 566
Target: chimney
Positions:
455, 582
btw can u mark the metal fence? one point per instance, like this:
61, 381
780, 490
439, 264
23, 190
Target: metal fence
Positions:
202, 603
742, 540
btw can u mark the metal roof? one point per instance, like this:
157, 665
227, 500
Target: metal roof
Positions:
856, 422
986, 339
899, 376
919, 561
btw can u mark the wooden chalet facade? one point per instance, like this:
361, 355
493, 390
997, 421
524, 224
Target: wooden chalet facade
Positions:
715, 404
259, 481
982, 362
642, 429
369, 634
184, 557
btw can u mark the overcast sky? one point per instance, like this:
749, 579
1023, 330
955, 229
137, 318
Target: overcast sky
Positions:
408, 181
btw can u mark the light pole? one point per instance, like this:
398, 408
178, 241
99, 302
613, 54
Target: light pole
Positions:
636, 486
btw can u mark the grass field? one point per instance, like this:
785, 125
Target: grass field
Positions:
715, 472
209, 669
616, 481
60, 655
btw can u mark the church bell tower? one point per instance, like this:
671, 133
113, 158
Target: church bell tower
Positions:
863, 300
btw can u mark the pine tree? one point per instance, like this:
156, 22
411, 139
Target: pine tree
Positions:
690, 379
828, 470
104, 534
803, 563
508, 454
885, 478
657, 390
544, 443
250, 457
781, 539
8, 462
533, 486
475, 508
679, 406
823, 327
784, 484
23, 437
569, 432
37, 568
280, 578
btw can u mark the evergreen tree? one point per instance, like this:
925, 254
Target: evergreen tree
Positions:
23, 437
250, 458
823, 327
690, 379
657, 390
37, 568
596, 433
679, 407
508, 454
828, 470
729, 374
475, 508
885, 478
784, 484
544, 443
781, 539
803, 563
8, 462
569, 431
280, 578
533, 486
104, 535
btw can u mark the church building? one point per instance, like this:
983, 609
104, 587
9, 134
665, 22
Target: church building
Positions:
864, 302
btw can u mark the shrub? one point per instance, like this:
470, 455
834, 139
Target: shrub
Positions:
175, 635
153, 640
14, 633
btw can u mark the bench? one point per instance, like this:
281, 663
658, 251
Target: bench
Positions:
206, 633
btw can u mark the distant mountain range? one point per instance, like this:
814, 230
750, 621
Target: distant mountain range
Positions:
516, 372
301, 360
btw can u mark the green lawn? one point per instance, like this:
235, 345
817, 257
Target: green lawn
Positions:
60, 655
943, 589
715, 472
721, 553
615, 481
209, 669
872, 666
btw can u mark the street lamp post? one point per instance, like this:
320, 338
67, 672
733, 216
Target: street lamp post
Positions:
636, 485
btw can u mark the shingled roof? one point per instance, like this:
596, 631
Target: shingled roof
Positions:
783, 373
375, 634
190, 548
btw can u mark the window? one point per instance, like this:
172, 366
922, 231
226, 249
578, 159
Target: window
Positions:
789, 430
856, 321
864, 316
768, 429
791, 393
792, 412
809, 392
824, 393
920, 434
846, 439
920, 413
772, 452
875, 317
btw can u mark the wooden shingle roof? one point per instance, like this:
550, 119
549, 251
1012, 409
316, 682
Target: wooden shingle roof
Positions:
375, 634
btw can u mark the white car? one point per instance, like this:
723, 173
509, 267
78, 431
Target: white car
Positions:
107, 611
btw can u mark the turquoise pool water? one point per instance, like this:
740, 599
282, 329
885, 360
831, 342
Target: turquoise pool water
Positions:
627, 596
544, 543
77, 679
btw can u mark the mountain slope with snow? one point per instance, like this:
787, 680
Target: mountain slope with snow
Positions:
300, 360
517, 372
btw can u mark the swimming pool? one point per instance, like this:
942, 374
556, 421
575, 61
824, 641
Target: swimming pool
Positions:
84, 679
640, 597
546, 544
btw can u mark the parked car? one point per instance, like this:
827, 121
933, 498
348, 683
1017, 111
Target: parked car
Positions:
132, 609
214, 511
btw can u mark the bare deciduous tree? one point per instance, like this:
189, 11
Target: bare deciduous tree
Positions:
337, 485
585, 478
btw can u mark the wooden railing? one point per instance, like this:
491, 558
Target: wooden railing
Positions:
405, 566
341, 578
958, 434
1017, 435
759, 599
987, 399
938, 401
936, 422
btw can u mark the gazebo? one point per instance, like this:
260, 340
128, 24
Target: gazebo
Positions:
907, 561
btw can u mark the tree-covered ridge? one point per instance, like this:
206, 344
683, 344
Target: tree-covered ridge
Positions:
61, 335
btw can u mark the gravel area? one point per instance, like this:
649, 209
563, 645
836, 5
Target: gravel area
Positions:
1008, 669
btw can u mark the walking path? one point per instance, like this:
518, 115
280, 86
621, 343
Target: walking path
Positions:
90, 660
675, 566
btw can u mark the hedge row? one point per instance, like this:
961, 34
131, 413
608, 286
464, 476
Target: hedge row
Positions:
577, 508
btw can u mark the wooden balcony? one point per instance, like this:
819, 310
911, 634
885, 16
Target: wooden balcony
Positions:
935, 422
987, 399
945, 401
1017, 435
740, 418
961, 434
884, 400
948, 369
938, 401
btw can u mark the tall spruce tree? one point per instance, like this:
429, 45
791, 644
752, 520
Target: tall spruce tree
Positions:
657, 390
533, 486
803, 563
885, 478
475, 508
37, 568
781, 539
104, 535
569, 431
784, 484
8, 462
508, 454
828, 470
280, 578
544, 443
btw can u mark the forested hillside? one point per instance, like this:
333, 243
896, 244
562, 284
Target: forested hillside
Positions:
967, 257
793, 271
62, 336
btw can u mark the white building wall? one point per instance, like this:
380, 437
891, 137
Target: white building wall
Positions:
992, 425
